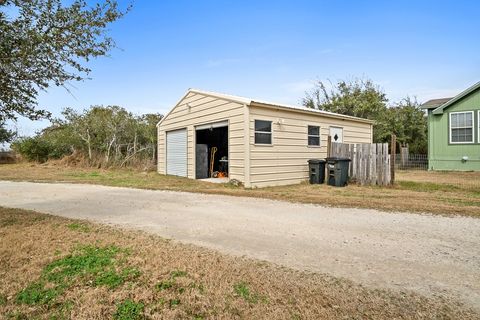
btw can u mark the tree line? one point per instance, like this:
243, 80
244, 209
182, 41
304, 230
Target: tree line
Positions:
112, 136
98, 136
362, 98
49, 43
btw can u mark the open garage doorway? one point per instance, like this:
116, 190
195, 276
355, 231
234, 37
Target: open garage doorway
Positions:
211, 151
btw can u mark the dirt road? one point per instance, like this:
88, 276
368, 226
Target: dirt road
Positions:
432, 255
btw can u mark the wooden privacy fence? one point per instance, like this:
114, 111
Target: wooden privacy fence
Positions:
370, 163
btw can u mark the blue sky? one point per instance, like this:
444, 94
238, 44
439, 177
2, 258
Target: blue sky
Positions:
274, 50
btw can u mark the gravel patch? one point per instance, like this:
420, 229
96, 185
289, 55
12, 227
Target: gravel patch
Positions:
431, 255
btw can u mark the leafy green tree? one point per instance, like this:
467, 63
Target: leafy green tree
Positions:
45, 43
362, 98
409, 123
105, 136
33, 148
5, 134
358, 98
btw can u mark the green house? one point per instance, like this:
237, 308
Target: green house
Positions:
454, 131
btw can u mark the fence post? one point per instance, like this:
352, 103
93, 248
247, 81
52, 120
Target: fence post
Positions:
351, 155
393, 151
404, 156
329, 146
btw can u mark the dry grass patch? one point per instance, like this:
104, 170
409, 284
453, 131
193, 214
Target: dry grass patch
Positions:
50, 270
427, 192
463, 179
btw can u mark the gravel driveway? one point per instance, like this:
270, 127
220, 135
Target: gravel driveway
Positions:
428, 254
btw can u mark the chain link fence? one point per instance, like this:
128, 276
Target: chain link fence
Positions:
414, 168
411, 162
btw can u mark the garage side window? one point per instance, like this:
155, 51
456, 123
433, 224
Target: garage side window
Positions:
263, 132
314, 136
461, 127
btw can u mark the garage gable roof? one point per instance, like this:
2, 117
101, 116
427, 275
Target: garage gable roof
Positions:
266, 104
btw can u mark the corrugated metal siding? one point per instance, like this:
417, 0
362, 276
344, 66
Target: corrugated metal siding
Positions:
177, 152
445, 156
285, 161
203, 109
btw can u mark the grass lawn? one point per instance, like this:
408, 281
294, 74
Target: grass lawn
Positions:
430, 192
57, 268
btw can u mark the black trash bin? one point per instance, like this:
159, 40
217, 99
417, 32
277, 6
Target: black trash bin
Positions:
316, 169
337, 171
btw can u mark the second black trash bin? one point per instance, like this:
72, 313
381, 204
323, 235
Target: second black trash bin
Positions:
337, 171
316, 170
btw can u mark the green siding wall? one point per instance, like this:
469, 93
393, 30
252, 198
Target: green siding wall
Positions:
445, 156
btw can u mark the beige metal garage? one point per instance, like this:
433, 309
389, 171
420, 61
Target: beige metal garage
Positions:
256, 142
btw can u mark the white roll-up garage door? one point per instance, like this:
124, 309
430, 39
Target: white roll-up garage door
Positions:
177, 152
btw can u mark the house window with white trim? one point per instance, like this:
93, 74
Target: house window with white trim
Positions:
313, 136
263, 132
461, 127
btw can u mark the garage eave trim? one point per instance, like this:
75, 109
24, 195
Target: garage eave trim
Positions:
271, 105
310, 111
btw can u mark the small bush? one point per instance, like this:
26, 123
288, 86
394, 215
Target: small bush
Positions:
33, 149
129, 310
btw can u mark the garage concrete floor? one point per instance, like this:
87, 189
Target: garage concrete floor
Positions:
432, 255
216, 180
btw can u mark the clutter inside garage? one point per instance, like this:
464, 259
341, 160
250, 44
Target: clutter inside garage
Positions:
211, 152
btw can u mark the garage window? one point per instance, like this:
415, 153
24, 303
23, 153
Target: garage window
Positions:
263, 132
461, 127
313, 136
